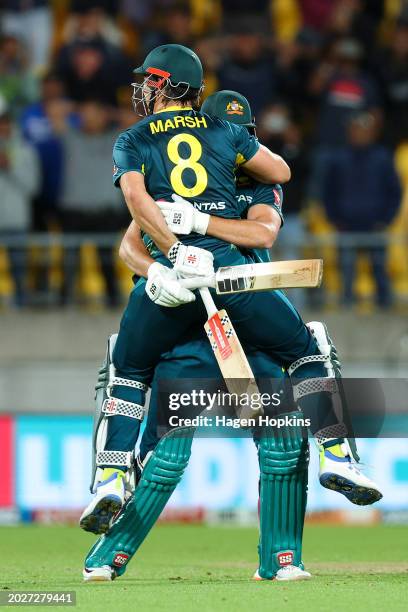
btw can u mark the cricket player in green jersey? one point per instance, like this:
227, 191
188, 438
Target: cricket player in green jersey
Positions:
179, 150
280, 544
194, 359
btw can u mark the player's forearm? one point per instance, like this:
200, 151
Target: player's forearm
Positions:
267, 167
133, 252
151, 221
145, 211
244, 232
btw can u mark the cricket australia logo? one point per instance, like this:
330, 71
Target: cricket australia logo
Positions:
234, 108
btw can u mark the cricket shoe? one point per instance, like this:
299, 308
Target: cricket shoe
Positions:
99, 574
339, 472
107, 502
288, 572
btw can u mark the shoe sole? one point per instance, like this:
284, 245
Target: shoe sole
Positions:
357, 494
293, 579
98, 579
98, 521
259, 579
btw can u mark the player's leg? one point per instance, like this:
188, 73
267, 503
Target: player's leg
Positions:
189, 360
146, 331
283, 463
339, 470
113, 557
269, 321
160, 477
109, 484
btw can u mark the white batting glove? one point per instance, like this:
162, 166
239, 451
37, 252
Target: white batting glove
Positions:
182, 218
191, 261
164, 289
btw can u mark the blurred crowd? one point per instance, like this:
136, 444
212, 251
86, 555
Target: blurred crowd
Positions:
328, 84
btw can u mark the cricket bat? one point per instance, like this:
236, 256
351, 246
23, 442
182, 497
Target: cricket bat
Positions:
230, 355
261, 276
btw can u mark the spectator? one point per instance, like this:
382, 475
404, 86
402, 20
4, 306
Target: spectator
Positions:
393, 63
278, 132
37, 124
31, 21
316, 14
359, 19
17, 84
18, 183
89, 202
90, 18
141, 12
343, 88
90, 65
231, 8
176, 27
361, 193
108, 6
297, 61
249, 68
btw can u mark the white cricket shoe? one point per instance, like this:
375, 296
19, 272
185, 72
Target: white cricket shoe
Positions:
106, 503
339, 472
98, 574
288, 572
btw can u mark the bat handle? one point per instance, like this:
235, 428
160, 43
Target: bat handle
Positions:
197, 282
208, 302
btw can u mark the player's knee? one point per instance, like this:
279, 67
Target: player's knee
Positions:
310, 373
284, 452
169, 460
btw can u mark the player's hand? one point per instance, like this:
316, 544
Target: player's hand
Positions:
191, 261
182, 218
164, 289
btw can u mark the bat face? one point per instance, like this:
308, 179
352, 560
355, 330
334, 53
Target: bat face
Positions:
271, 275
232, 360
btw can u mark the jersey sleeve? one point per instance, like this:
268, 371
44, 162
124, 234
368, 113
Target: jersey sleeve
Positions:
245, 145
128, 156
272, 195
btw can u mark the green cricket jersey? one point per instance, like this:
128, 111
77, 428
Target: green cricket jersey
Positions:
249, 193
183, 151
194, 155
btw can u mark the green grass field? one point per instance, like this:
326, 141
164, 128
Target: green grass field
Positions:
197, 568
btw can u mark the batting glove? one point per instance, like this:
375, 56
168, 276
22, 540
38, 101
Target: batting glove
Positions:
191, 261
164, 289
182, 218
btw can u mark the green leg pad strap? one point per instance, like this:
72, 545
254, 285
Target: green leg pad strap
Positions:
159, 478
283, 462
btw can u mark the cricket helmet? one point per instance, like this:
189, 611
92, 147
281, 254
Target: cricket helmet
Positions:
231, 106
173, 65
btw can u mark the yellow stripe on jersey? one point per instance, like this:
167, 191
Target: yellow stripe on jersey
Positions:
240, 159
